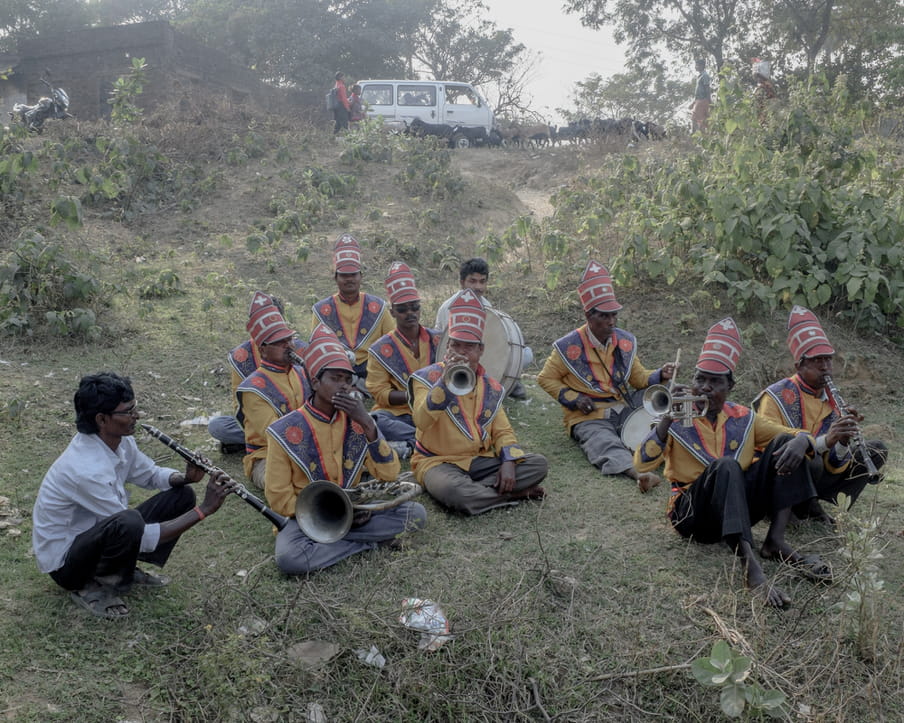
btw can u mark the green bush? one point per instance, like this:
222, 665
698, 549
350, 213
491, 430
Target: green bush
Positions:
40, 287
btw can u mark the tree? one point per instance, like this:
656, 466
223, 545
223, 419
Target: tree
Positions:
687, 28
647, 93
456, 44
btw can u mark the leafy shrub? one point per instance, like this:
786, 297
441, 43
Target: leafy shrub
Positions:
427, 169
40, 284
124, 95
165, 283
369, 141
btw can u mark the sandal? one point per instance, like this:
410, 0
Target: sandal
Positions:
101, 602
812, 568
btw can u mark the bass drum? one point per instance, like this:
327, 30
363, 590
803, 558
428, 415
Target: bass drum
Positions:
636, 428
503, 348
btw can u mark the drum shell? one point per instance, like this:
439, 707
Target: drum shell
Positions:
636, 427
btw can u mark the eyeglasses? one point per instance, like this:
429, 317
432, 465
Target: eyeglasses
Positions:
130, 412
405, 308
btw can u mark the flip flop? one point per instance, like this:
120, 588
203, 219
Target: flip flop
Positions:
100, 602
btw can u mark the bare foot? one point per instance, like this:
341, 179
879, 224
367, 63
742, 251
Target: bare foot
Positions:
531, 493
647, 481
757, 583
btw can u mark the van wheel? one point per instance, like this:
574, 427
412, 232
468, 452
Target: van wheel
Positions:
460, 140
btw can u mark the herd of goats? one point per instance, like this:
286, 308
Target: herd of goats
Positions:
540, 135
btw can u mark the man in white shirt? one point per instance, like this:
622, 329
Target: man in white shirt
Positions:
474, 274
85, 536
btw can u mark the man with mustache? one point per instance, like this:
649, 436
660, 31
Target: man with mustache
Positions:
803, 401
721, 485
85, 535
395, 356
274, 389
357, 319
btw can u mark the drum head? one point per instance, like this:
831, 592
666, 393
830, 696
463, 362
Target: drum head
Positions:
503, 348
636, 428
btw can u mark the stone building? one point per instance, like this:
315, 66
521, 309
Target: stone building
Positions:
86, 63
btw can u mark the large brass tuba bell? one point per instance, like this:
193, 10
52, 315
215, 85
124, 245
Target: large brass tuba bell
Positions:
325, 511
459, 378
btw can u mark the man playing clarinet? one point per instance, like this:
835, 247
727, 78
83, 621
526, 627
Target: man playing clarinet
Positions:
85, 536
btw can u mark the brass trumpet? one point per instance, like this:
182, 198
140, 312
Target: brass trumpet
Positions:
324, 511
459, 378
658, 401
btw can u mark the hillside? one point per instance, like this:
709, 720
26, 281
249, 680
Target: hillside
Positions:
583, 607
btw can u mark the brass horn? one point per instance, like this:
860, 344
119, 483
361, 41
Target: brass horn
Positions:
324, 511
658, 401
459, 378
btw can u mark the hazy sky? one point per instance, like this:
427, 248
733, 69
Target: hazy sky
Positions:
570, 52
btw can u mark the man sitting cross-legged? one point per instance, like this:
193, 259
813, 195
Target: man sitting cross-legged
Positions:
395, 356
331, 437
718, 490
466, 454
803, 401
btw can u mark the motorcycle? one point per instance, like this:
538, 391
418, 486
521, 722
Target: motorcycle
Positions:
33, 116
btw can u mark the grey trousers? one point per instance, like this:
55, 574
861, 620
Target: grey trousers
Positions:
473, 492
600, 440
297, 554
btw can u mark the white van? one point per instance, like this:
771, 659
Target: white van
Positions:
433, 101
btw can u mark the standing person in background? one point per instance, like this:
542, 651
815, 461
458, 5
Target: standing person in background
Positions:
702, 96
342, 106
355, 105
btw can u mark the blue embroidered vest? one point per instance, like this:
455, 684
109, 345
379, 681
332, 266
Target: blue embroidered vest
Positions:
387, 350
263, 386
737, 430
575, 350
295, 434
488, 406
787, 395
371, 310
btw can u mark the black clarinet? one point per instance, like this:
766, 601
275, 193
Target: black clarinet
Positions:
857, 441
240, 489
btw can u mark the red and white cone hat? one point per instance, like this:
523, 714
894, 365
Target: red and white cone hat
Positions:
325, 351
596, 290
346, 255
467, 317
400, 286
265, 322
806, 337
722, 348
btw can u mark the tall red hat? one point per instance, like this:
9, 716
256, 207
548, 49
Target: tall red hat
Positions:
346, 255
805, 335
265, 322
325, 351
722, 348
467, 317
596, 290
400, 286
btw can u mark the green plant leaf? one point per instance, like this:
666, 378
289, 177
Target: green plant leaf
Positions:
732, 700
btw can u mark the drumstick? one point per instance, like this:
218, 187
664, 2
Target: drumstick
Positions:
674, 373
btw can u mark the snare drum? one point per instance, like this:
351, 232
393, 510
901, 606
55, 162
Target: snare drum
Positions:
503, 348
636, 428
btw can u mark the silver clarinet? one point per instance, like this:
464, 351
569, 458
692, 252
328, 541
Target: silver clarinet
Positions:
857, 441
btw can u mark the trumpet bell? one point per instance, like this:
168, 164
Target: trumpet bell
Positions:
324, 512
657, 400
459, 379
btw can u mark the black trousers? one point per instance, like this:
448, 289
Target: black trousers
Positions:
340, 119
851, 482
111, 547
725, 501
